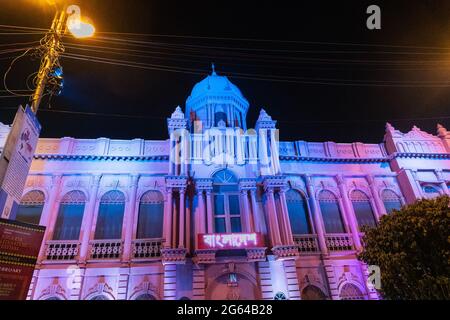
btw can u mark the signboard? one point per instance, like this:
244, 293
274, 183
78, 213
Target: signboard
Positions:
19, 250
226, 241
15, 160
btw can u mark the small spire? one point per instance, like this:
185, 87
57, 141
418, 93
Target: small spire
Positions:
213, 67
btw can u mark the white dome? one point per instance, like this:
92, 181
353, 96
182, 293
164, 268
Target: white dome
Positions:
214, 85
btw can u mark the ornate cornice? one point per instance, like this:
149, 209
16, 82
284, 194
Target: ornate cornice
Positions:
368, 160
271, 182
176, 182
95, 157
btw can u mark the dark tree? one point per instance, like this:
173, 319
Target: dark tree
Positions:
412, 248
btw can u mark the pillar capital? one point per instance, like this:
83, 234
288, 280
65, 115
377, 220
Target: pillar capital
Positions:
340, 179
134, 180
370, 179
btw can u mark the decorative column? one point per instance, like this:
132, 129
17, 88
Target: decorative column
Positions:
256, 217
247, 217
273, 221
188, 223
417, 182
129, 218
172, 154
50, 214
168, 212
349, 212
210, 213
318, 223
182, 218
275, 152
239, 147
50, 203
289, 240
263, 155
376, 197
89, 214
200, 216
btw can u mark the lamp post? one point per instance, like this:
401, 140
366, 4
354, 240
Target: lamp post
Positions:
68, 18
18, 151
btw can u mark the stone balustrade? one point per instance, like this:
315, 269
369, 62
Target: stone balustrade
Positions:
147, 248
62, 250
339, 242
106, 249
307, 243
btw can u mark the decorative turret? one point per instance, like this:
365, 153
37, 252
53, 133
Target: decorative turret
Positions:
265, 121
445, 136
268, 152
177, 120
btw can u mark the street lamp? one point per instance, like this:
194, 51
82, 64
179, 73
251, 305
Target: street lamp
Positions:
67, 19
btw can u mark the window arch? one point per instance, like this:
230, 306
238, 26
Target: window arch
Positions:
298, 212
227, 212
280, 296
151, 215
31, 206
351, 292
99, 297
311, 292
391, 200
145, 296
52, 298
70, 215
110, 216
431, 191
363, 209
331, 213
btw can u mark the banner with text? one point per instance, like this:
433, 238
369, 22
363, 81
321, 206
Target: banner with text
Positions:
15, 160
19, 250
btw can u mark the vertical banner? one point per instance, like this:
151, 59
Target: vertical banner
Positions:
19, 250
15, 160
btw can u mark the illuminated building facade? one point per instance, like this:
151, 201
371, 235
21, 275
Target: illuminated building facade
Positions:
219, 211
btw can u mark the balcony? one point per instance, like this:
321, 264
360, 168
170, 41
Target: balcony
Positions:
62, 250
307, 244
147, 248
339, 242
105, 249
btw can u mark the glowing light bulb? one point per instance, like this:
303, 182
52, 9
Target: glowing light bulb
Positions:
81, 29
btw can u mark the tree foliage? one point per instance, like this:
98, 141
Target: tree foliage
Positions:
411, 247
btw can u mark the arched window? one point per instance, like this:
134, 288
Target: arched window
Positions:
99, 297
431, 192
351, 292
30, 208
227, 213
110, 216
311, 292
391, 200
363, 209
145, 296
298, 212
151, 215
70, 215
53, 298
331, 214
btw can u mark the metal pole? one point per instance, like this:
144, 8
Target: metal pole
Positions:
50, 57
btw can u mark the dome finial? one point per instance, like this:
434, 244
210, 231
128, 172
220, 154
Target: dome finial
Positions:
213, 67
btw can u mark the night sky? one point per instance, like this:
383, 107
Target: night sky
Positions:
316, 68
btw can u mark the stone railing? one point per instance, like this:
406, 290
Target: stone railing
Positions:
339, 242
62, 250
147, 248
105, 249
307, 243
